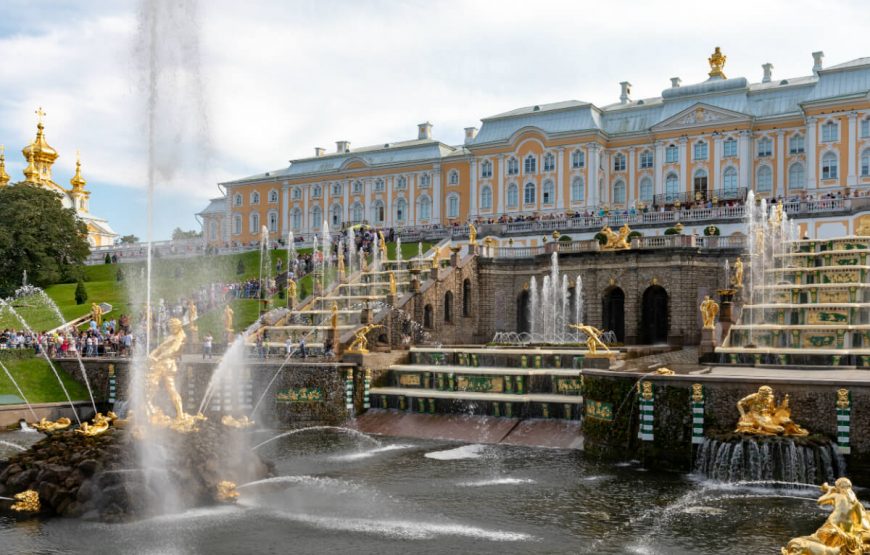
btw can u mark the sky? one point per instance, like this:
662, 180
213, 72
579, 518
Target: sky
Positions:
211, 91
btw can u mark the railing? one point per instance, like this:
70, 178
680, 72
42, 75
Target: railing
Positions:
663, 242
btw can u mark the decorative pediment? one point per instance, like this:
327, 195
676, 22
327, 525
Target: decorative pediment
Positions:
701, 115
355, 163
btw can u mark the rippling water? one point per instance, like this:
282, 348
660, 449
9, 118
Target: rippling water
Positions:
337, 494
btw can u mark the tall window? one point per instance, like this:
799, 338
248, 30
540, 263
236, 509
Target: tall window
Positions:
255, 198
401, 183
237, 224
729, 180
379, 185
486, 169
212, 230
425, 180
513, 166
577, 190
829, 166
865, 128
297, 193
796, 176
830, 132
646, 190
453, 206
513, 196
336, 216
529, 193
357, 188
273, 196
672, 187
273, 222
646, 159
316, 217
486, 198
453, 178
672, 154
237, 200
296, 219
315, 192
548, 193
619, 192
865, 163
764, 179
530, 165
357, 212
796, 144
619, 162
699, 182
401, 210
336, 189
700, 150
425, 208
578, 159
549, 162
378, 212
765, 147
729, 148
254, 223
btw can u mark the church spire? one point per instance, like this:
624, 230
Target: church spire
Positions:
78, 182
4, 177
31, 174
40, 151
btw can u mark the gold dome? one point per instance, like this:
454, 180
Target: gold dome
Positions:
4, 177
78, 182
42, 154
31, 174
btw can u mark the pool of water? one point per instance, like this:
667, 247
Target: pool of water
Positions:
337, 493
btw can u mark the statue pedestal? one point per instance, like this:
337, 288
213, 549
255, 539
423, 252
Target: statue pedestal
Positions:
365, 316
708, 342
433, 273
336, 341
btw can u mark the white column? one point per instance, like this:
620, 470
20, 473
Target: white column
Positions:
607, 163
852, 176
659, 167
629, 187
369, 190
713, 180
285, 209
592, 175
560, 177
411, 217
306, 218
327, 215
346, 191
683, 163
436, 196
745, 159
501, 185
472, 189
780, 164
810, 146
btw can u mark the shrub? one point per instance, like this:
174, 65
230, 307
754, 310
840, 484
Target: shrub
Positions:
119, 275
240, 267
81, 293
565, 238
108, 259
601, 238
711, 231
634, 234
672, 231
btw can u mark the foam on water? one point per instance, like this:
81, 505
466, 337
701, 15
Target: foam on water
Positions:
306, 480
464, 452
359, 455
496, 482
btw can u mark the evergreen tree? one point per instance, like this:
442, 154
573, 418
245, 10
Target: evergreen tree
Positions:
240, 267
81, 292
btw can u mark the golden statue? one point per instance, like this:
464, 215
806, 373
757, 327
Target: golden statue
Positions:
382, 245
44, 425
616, 240
238, 423
436, 259
737, 280
759, 415
334, 316
360, 341
226, 491
472, 234
717, 63
26, 501
392, 284
709, 310
846, 531
363, 262
192, 315
97, 314
593, 337
162, 369
228, 319
777, 215
862, 226
291, 289
99, 425
663, 371
341, 268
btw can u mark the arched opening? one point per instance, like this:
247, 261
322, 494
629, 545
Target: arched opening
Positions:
523, 324
466, 298
427, 316
613, 312
654, 315
448, 306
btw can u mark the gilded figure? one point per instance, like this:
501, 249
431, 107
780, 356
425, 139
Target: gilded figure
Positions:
393, 287
616, 240
717, 63
228, 319
472, 234
760, 415
360, 341
593, 337
97, 314
162, 369
291, 289
192, 315
737, 280
709, 310
846, 531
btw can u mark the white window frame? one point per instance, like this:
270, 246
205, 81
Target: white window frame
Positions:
513, 166
647, 160
530, 191
453, 177
764, 179
646, 190
830, 132
619, 162
578, 159
513, 195
453, 206
764, 147
577, 189
486, 198
548, 193
830, 165
486, 169
729, 148
801, 182
549, 162
796, 144
700, 150
672, 154
619, 193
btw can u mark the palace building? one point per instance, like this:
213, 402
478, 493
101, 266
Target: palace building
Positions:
40, 158
708, 142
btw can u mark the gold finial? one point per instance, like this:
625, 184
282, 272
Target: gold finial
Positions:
717, 63
4, 177
40, 114
31, 174
78, 182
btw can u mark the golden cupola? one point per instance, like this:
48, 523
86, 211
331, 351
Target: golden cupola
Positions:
4, 177
78, 193
31, 174
42, 154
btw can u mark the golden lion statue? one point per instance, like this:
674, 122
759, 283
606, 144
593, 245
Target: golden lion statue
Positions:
616, 241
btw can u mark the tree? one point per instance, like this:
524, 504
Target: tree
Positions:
128, 240
39, 235
108, 258
81, 293
178, 234
240, 267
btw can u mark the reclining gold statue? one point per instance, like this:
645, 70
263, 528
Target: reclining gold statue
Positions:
760, 415
846, 530
44, 425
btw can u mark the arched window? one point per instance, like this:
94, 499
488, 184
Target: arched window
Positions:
829, 166
378, 212
548, 194
357, 212
401, 210
401, 183
486, 198
699, 182
672, 187
764, 179
729, 148
513, 166
466, 298
577, 190
830, 132
425, 180
297, 193
672, 154
453, 206
254, 223
448, 307
578, 159
425, 208
335, 212
379, 185
273, 196
549, 162
513, 196
646, 190
796, 179
453, 178
865, 163
237, 224
273, 221
316, 217
237, 199
796, 144
700, 150
619, 192
296, 219
336, 189
357, 187
427, 316
255, 198
646, 159
530, 164
619, 162
529, 193
729, 180
486, 169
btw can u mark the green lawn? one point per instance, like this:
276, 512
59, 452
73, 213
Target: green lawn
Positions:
37, 381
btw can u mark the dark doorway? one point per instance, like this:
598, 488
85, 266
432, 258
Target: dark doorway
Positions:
448, 306
427, 316
523, 324
466, 298
613, 312
654, 316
